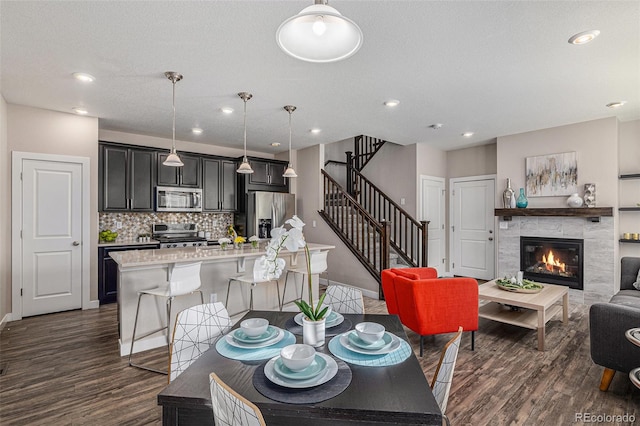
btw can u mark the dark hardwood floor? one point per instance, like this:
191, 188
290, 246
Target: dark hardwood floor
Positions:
65, 369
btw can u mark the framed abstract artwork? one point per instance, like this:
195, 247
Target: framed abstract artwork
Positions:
552, 175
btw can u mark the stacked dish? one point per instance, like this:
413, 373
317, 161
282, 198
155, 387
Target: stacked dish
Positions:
333, 319
369, 338
289, 371
255, 333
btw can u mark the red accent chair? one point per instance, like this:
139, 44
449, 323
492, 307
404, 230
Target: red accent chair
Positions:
430, 305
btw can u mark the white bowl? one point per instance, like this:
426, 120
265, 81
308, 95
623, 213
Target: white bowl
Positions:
370, 332
254, 327
297, 357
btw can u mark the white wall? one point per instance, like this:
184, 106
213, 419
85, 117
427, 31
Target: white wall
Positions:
629, 190
473, 161
49, 132
5, 216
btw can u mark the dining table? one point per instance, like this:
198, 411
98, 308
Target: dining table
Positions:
364, 390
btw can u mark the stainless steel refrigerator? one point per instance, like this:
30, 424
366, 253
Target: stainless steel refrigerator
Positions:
265, 211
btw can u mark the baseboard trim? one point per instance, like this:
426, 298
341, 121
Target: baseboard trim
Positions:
93, 304
5, 320
143, 345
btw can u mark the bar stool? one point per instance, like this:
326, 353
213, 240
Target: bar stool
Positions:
252, 281
318, 263
184, 279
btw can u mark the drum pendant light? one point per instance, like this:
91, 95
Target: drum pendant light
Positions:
319, 33
173, 160
290, 172
245, 167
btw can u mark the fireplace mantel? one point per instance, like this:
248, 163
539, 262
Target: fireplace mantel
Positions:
592, 214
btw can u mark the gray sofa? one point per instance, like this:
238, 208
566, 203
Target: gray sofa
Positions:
609, 321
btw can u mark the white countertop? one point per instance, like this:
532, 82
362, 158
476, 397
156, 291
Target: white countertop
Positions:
118, 243
164, 256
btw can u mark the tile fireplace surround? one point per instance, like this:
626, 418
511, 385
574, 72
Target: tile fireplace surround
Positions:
599, 243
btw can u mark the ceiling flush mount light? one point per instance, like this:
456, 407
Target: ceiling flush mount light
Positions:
173, 160
83, 77
436, 126
467, 134
275, 143
80, 110
290, 172
226, 110
315, 131
616, 104
319, 33
245, 167
392, 103
197, 131
584, 37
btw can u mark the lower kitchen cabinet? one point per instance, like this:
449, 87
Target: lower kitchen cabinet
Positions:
108, 271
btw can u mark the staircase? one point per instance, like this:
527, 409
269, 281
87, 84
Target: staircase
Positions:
374, 227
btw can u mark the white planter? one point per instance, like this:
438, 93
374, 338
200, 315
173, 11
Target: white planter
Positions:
313, 332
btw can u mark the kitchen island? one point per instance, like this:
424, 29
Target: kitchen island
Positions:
145, 269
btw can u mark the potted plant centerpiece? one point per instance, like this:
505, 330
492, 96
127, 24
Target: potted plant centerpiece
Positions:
270, 266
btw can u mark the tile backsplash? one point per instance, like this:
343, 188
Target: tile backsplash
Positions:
134, 224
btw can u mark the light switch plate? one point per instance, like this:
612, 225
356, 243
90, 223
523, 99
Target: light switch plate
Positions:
118, 225
504, 225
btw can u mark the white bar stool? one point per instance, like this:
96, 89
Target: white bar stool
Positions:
318, 266
252, 281
184, 279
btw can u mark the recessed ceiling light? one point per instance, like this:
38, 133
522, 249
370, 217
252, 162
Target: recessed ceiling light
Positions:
84, 77
616, 104
315, 131
226, 110
81, 111
196, 131
584, 37
275, 143
391, 103
467, 134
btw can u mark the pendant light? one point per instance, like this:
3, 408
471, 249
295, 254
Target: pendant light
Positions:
290, 172
319, 33
173, 160
245, 167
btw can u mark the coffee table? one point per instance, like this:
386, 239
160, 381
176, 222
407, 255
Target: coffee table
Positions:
538, 308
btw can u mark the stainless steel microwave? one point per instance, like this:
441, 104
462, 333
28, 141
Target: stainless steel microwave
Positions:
170, 199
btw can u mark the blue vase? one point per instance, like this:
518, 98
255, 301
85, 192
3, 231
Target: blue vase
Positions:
522, 201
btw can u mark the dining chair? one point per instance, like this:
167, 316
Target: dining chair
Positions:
441, 384
318, 265
195, 330
344, 299
184, 279
253, 281
231, 408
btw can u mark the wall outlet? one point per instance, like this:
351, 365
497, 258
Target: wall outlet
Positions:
118, 225
504, 225
402, 201
313, 223
213, 297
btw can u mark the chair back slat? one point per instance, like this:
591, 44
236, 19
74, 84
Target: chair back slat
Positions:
231, 408
443, 376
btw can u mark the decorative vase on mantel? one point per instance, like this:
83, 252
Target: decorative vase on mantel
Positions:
313, 332
509, 197
574, 200
522, 201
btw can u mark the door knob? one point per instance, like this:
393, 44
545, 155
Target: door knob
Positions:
76, 243
490, 238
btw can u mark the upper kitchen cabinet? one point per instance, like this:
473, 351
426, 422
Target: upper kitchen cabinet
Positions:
266, 176
126, 178
188, 175
219, 184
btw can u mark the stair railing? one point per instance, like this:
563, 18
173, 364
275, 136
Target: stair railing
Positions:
366, 237
408, 236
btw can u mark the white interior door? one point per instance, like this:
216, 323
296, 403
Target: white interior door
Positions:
432, 199
472, 230
51, 255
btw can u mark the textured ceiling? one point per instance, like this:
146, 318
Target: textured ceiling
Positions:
493, 68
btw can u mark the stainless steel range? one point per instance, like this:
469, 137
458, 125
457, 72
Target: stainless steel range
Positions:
173, 235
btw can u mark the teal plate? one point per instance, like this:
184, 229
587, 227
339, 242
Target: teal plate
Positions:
242, 337
355, 340
317, 366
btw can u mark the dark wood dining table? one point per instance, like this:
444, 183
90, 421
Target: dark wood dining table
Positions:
392, 395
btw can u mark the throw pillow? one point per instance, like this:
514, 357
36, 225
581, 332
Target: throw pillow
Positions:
404, 274
637, 283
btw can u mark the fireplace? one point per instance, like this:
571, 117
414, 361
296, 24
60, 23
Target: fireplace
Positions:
552, 260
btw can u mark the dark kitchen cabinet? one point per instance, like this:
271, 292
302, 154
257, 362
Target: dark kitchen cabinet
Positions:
266, 176
108, 271
126, 178
187, 176
219, 184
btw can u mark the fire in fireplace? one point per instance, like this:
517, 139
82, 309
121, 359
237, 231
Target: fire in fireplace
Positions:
552, 260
